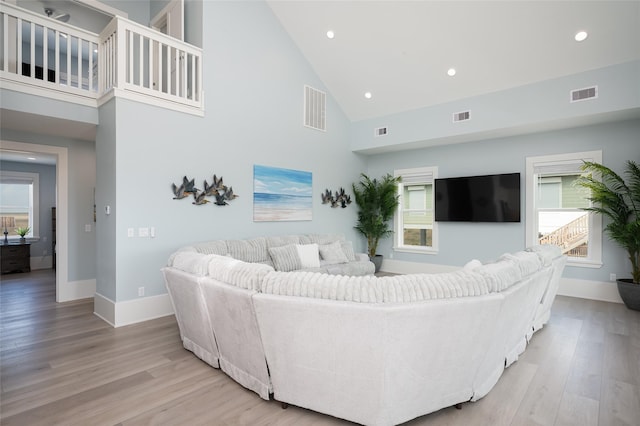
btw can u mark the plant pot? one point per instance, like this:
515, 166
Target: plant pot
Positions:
629, 293
377, 261
23, 240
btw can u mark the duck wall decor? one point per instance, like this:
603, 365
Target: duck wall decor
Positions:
340, 199
217, 190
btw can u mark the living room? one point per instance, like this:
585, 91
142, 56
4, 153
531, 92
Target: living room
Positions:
254, 76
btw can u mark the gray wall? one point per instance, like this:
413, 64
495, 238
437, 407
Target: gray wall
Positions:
47, 199
254, 77
461, 242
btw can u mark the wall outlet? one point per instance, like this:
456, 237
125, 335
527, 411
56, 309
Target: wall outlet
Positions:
612, 277
87, 228
140, 291
129, 232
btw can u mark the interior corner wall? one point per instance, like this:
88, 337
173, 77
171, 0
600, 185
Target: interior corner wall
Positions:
253, 80
461, 242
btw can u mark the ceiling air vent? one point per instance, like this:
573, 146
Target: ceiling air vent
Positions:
584, 94
315, 105
380, 131
461, 116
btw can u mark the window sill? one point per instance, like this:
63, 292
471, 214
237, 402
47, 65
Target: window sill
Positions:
418, 250
584, 263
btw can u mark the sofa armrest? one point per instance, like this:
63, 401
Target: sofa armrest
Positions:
362, 257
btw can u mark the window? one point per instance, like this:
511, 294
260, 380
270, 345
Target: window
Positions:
554, 212
415, 230
19, 200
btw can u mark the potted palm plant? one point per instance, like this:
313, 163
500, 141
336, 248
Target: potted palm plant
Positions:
377, 200
619, 202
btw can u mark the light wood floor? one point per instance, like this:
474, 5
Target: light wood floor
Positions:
60, 364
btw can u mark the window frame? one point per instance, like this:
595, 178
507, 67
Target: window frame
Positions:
594, 258
34, 213
430, 174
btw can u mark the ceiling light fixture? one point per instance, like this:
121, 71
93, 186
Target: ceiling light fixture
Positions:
368, 95
581, 36
451, 72
330, 34
31, 158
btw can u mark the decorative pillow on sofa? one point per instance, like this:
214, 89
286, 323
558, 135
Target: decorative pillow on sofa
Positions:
195, 263
332, 253
254, 250
347, 248
309, 255
285, 258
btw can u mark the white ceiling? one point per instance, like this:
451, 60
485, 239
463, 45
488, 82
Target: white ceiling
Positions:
400, 51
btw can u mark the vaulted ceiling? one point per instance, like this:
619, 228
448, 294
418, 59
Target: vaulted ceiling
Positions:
400, 51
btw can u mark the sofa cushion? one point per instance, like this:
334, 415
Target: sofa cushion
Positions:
212, 247
500, 275
192, 262
347, 248
320, 238
417, 287
254, 250
546, 252
309, 255
280, 241
527, 262
285, 258
237, 273
333, 253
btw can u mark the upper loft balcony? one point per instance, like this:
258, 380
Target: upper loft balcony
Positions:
46, 57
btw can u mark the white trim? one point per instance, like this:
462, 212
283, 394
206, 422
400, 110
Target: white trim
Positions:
26, 178
41, 262
84, 289
153, 100
586, 289
404, 267
133, 311
62, 212
531, 219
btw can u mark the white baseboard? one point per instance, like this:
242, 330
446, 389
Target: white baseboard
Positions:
583, 289
586, 289
404, 267
41, 262
119, 314
74, 290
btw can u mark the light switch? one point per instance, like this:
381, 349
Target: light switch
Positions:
87, 228
143, 232
130, 232
152, 232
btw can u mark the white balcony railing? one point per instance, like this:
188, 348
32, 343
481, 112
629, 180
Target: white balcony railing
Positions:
53, 59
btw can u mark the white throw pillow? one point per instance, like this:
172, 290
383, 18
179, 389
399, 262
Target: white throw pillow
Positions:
309, 255
472, 264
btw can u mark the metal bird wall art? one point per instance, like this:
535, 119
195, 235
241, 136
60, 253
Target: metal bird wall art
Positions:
340, 199
217, 190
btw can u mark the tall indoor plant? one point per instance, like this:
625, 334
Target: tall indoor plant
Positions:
619, 202
377, 200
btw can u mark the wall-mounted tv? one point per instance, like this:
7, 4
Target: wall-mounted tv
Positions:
489, 198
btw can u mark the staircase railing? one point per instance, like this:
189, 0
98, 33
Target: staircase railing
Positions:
570, 236
58, 60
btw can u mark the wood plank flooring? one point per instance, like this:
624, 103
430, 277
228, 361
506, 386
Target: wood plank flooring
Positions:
62, 365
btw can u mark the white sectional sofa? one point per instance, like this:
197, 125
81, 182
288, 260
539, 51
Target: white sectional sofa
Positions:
373, 350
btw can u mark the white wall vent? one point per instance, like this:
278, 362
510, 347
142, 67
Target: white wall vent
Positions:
380, 131
315, 108
461, 116
584, 94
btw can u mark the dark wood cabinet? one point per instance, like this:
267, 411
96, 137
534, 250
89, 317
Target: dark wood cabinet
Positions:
16, 258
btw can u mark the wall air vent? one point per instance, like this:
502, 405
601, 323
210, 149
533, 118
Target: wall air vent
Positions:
584, 94
315, 108
461, 116
380, 131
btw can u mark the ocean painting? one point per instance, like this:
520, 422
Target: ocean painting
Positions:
281, 194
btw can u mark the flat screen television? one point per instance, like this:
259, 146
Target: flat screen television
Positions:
489, 198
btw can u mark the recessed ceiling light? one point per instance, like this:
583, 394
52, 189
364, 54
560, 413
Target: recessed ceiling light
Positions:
581, 36
31, 158
330, 34
368, 95
451, 72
